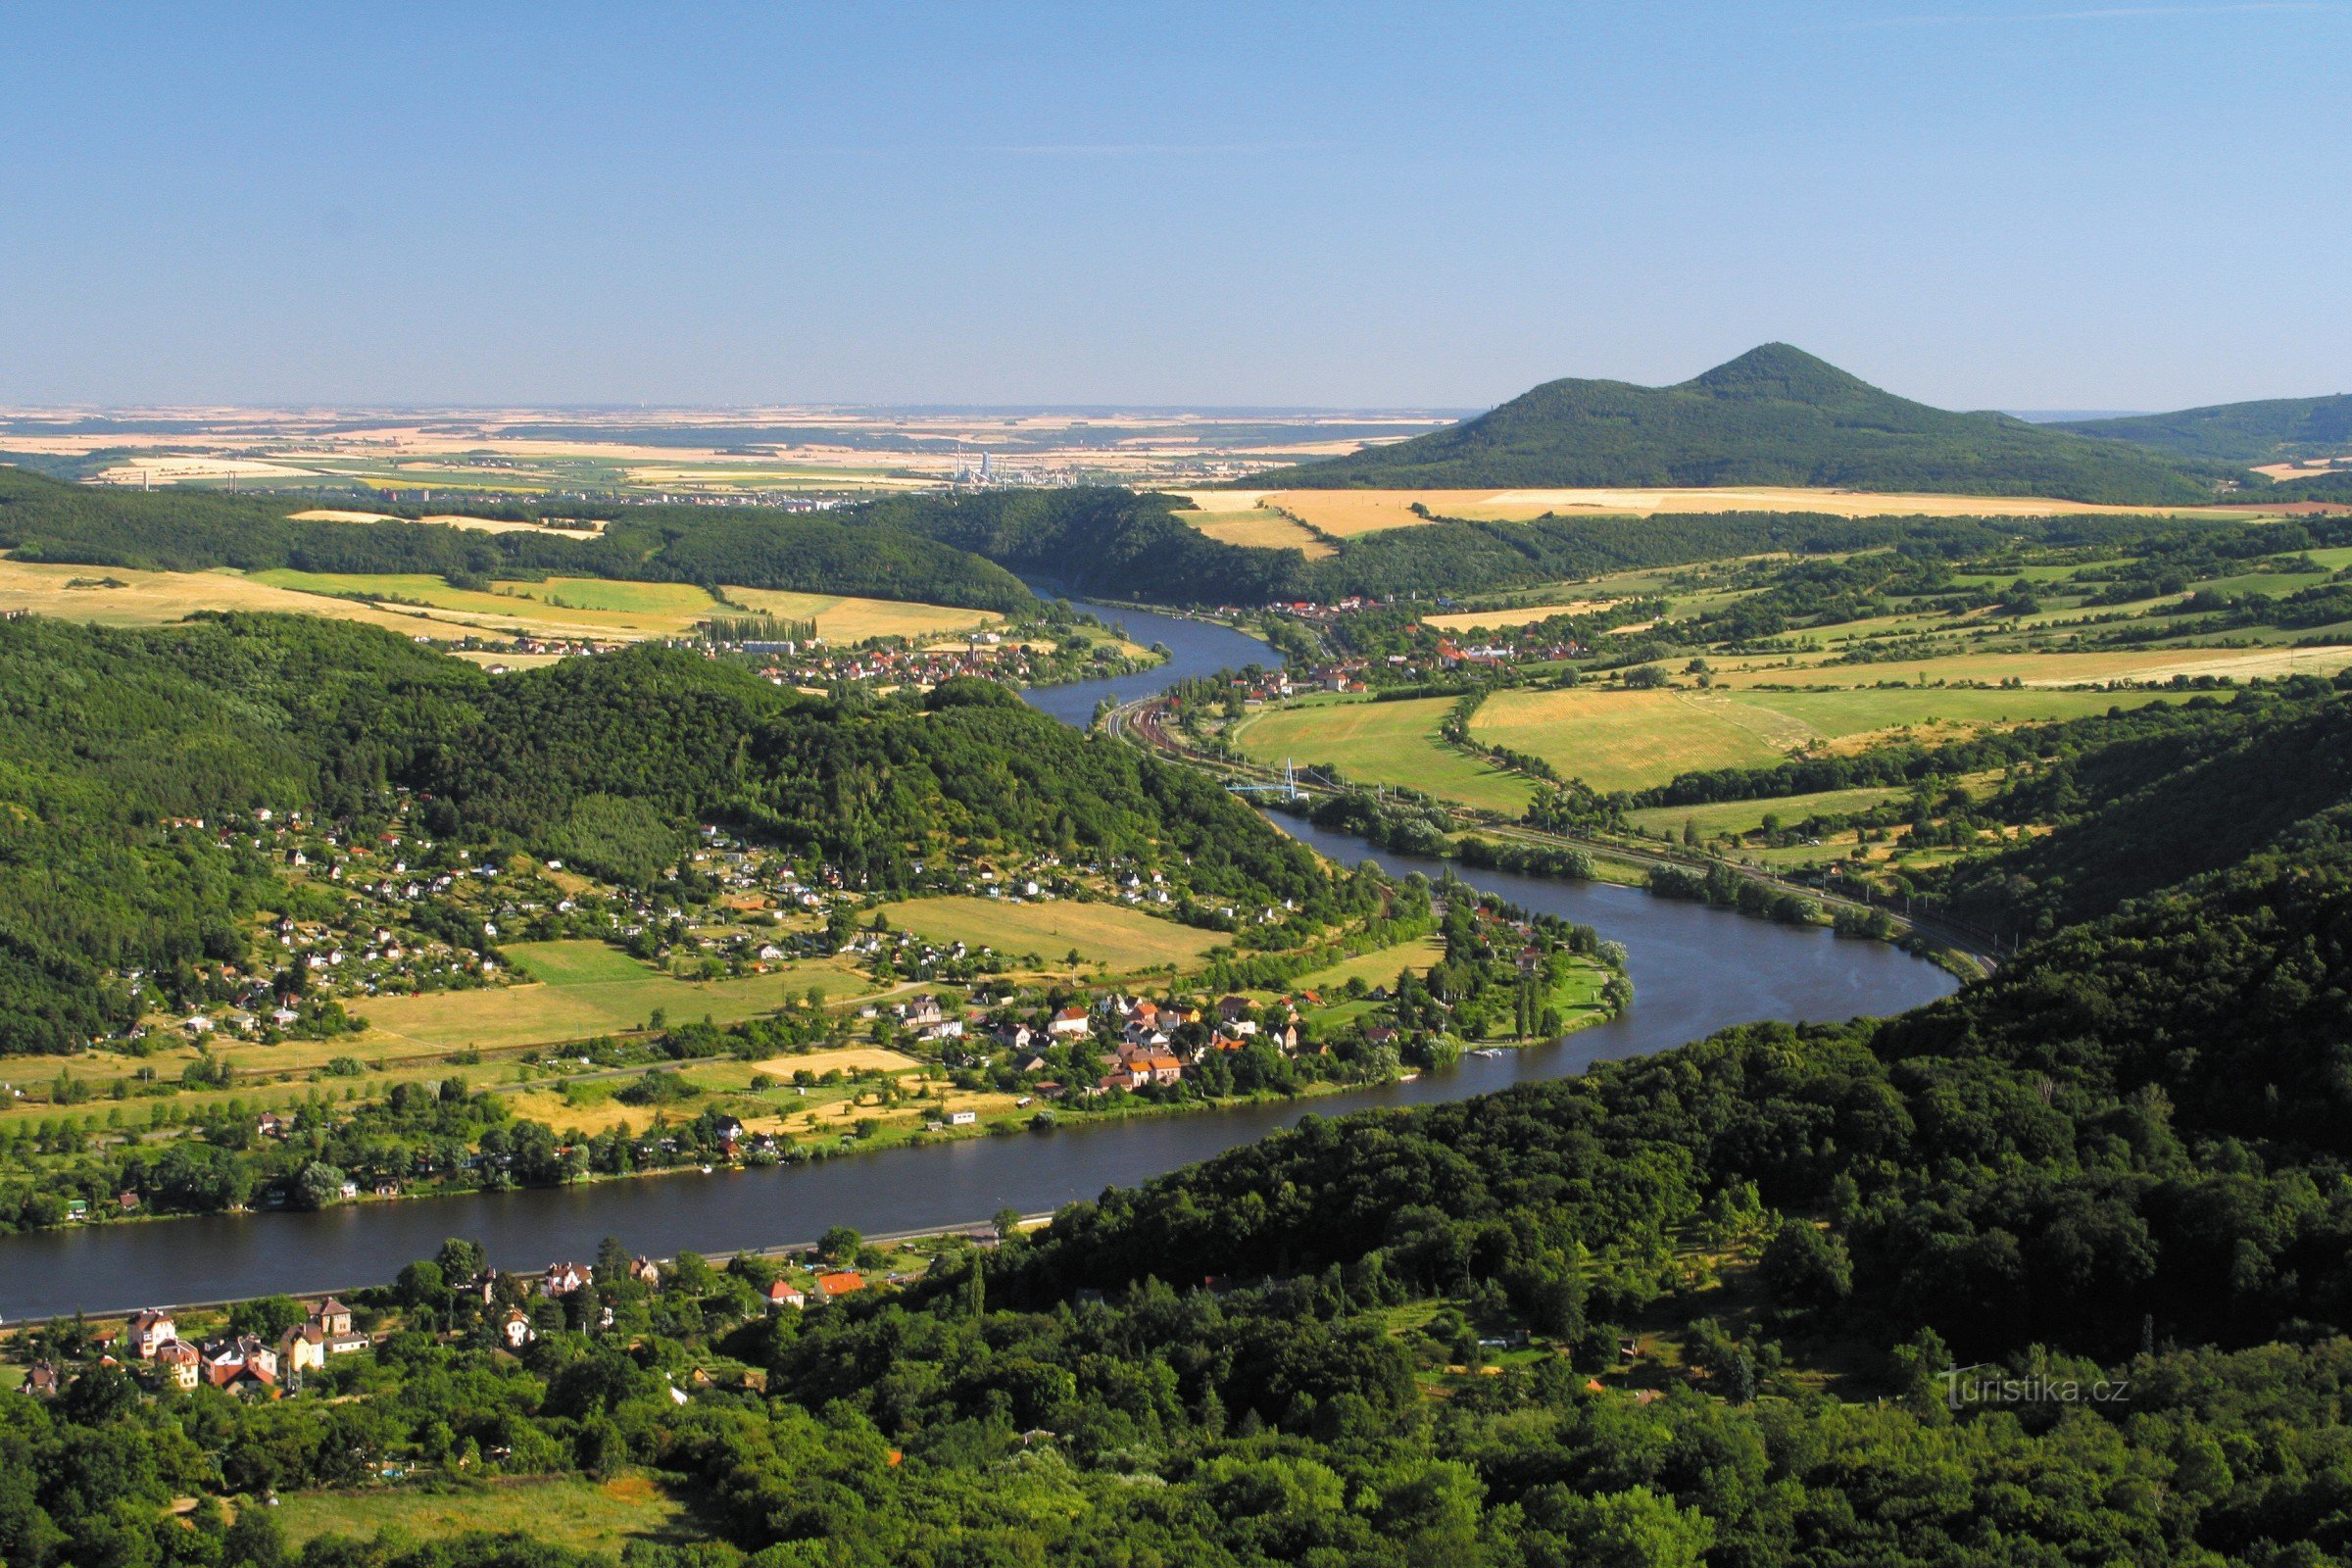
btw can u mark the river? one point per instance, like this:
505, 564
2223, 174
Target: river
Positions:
1694, 969
1196, 647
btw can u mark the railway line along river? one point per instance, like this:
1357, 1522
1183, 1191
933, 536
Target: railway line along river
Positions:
1695, 970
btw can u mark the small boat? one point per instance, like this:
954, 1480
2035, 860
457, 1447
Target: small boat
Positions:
1488, 1051
705, 1170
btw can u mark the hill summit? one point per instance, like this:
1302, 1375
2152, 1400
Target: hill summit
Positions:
1774, 415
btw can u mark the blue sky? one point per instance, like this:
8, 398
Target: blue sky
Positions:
2019, 204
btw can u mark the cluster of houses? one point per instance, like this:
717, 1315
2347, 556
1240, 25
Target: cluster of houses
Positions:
372, 947
365, 949
240, 1364
563, 1280
815, 668
1143, 1037
1432, 650
829, 1285
248, 1364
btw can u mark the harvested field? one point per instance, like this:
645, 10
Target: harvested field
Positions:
581, 988
581, 530
189, 467
1345, 513
1110, 936
507, 662
844, 1059
1262, 528
119, 595
1225, 500
1516, 616
584, 530
850, 619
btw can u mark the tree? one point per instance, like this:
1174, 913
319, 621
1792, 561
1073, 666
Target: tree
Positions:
266, 1317
461, 1259
317, 1184
840, 1244
421, 1286
255, 1539
1804, 1265
99, 1395
1637, 1528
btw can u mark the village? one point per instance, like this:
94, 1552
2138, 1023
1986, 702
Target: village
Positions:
276, 1347
1041, 655
990, 1048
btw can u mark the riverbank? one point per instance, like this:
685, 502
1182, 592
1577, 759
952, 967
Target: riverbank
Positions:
100, 1319
841, 1098
1695, 970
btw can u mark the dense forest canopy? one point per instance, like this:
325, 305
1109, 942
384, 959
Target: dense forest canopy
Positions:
1776, 416
2270, 430
46, 519
1095, 540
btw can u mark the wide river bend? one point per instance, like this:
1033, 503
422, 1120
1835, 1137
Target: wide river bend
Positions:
1694, 970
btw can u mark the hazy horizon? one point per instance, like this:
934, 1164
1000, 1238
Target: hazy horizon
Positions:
1198, 207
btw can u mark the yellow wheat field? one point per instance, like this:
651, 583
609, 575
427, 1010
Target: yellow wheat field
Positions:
1345, 513
118, 596
845, 619
1262, 528
842, 1059
1516, 616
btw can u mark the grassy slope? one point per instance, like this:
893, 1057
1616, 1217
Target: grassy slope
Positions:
1384, 743
1378, 967
576, 1513
1745, 817
1108, 934
1616, 739
581, 988
1774, 415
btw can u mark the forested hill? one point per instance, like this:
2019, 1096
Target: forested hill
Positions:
1127, 546
2113, 1143
1776, 416
108, 738
1095, 540
2147, 810
2271, 430
46, 519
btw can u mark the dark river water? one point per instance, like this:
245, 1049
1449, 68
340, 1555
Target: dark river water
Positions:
1694, 970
